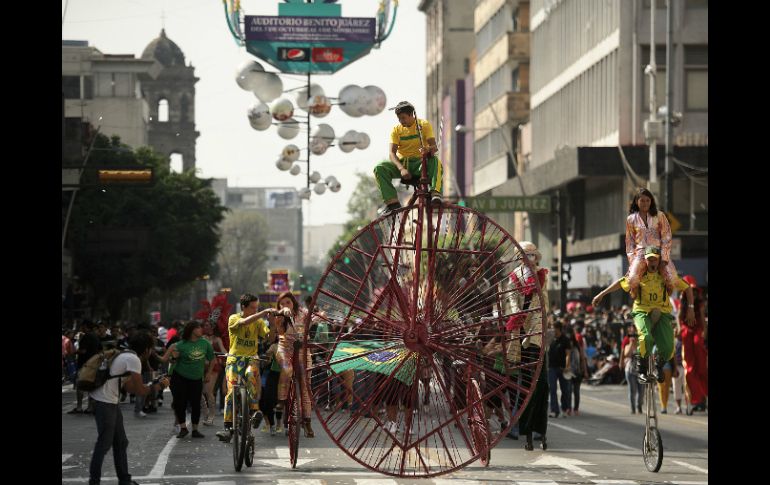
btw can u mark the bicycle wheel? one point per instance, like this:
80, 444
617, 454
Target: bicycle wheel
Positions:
478, 423
411, 302
245, 426
652, 449
293, 409
236, 440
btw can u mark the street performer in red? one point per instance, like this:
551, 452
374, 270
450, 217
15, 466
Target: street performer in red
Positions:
694, 353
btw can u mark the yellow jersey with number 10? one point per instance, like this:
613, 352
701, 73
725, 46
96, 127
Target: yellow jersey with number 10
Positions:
244, 339
652, 292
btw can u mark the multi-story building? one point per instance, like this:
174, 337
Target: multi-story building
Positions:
106, 90
449, 32
589, 101
316, 242
281, 209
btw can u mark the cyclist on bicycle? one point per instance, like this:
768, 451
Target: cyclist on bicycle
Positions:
651, 307
406, 155
245, 329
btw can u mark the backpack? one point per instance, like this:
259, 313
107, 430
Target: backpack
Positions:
96, 371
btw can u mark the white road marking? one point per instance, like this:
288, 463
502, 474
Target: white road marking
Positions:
449, 481
233, 475
536, 482
689, 483
299, 481
228, 482
615, 443
686, 420
566, 463
617, 482
65, 458
160, 465
691, 467
376, 481
566, 428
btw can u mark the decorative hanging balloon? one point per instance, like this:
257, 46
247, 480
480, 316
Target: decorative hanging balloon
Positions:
335, 187
331, 179
259, 116
302, 95
363, 141
348, 97
319, 189
348, 141
315, 177
290, 153
282, 109
318, 146
295, 170
324, 132
304, 193
319, 106
246, 74
377, 100
361, 103
288, 129
283, 164
267, 86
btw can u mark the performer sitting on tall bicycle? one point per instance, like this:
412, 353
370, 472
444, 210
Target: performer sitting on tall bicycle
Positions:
408, 141
652, 313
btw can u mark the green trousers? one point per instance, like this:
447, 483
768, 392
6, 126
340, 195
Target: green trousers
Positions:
386, 171
662, 336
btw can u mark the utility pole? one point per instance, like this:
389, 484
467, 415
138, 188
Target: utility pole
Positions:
667, 205
652, 133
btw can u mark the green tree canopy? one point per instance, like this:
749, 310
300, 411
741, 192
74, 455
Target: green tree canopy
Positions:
130, 239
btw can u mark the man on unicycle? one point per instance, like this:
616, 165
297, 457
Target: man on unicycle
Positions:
410, 138
652, 314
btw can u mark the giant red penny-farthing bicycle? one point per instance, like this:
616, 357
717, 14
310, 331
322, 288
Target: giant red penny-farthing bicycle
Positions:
419, 366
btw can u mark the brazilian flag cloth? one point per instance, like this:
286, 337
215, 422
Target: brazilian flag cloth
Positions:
374, 360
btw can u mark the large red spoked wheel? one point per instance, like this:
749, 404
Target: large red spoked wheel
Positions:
418, 304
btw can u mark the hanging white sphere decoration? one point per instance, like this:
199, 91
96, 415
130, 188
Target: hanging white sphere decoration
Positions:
363, 141
282, 109
267, 86
324, 132
304, 193
283, 164
319, 106
377, 100
319, 189
318, 146
330, 179
246, 74
348, 141
290, 153
295, 170
335, 187
288, 129
348, 97
302, 95
315, 177
259, 116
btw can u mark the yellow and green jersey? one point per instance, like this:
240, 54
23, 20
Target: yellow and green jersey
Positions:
244, 339
652, 292
408, 140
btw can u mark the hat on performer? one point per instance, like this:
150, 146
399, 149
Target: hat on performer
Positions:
652, 252
403, 106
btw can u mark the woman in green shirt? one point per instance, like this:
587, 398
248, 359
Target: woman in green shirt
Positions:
194, 360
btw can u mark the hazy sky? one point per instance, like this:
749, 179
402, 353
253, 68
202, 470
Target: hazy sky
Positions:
228, 147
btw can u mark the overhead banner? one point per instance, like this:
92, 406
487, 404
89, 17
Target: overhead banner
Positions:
310, 29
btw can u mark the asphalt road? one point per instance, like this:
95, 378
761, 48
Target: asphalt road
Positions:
602, 445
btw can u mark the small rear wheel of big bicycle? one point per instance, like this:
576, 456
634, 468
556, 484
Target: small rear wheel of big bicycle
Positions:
293, 416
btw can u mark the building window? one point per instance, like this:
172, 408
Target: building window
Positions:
70, 86
184, 106
515, 81
492, 30
121, 84
696, 74
88, 87
176, 163
163, 111
660, 77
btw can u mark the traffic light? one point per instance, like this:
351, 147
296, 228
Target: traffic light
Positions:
555, 273
566, 276
125, 176
461, 202
302, 284
346, 260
